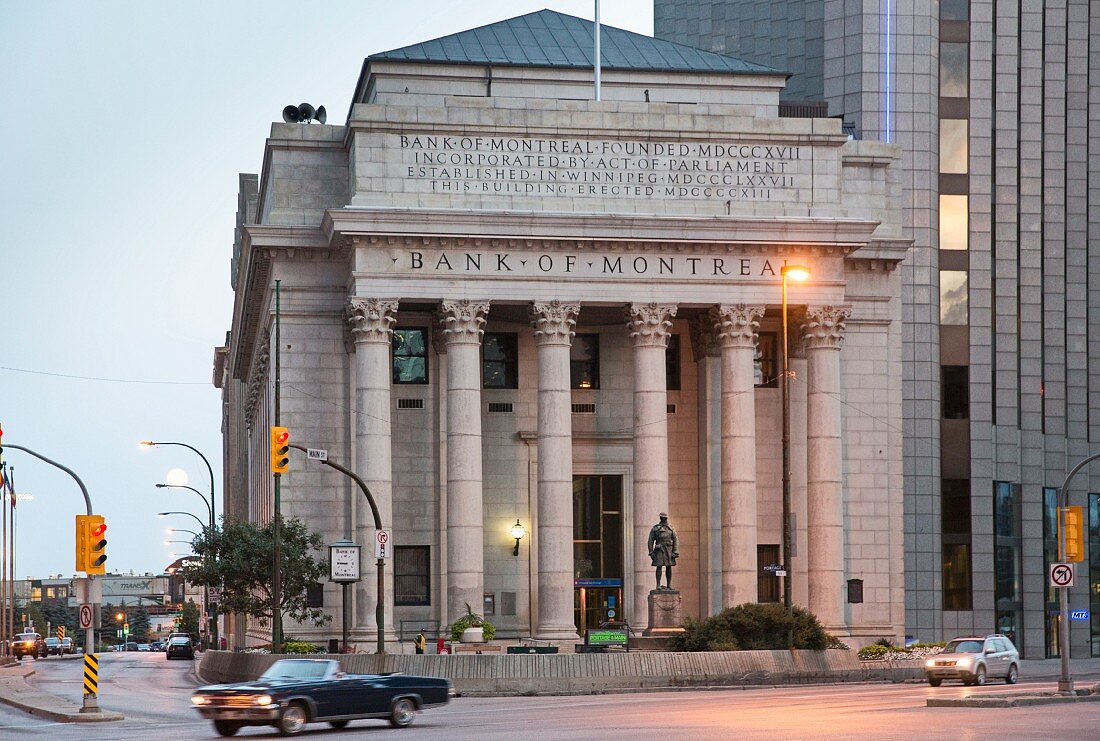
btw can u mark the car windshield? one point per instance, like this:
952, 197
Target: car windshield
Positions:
26, 637
963, 647
53, 641
180, 641
297, 669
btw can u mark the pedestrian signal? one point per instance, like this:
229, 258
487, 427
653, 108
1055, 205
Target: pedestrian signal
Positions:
280, 450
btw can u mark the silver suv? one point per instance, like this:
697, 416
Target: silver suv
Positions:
974, 660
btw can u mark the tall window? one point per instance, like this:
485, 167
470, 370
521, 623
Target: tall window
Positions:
954, 299
1050, 555
499, 361
954, 222
766, 364
1007, 559
672, 363
956, 540
584, 362
953, 147
410, 355
954, 70
412, 573
955, 390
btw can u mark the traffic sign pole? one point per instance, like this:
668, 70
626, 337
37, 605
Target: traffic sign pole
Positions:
1065, 682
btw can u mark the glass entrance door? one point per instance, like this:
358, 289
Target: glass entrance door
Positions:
597, 550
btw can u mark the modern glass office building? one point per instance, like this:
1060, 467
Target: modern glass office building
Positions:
995, 106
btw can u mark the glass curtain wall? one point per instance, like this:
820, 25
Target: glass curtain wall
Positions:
1007, 559
1050, 555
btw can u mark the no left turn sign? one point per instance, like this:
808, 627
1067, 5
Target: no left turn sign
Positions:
1061, 575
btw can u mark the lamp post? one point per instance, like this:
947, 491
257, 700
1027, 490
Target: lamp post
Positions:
176, 512
212, 625
1065, 681
152, 444
797, 272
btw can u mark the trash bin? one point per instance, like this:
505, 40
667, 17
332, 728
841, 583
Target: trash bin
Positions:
334, 645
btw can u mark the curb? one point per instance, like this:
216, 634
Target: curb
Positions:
17, 681
1007, 701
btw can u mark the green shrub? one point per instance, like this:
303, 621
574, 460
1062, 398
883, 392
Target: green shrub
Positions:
874, 651
299, 647
472, 620
752, 626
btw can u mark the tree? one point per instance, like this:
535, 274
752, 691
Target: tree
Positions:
189, 620
237, 557
139, 624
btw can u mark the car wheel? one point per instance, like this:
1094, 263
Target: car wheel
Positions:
338, 724
293, 719
227, 727
402, 713
1013, 675
979, 676
935, 682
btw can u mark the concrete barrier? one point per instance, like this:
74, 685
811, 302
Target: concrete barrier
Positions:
562, 674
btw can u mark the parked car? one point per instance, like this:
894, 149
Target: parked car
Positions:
53, 646
67, 646
157, 645
974, 660
294, 692
175, 635
28, 644
143, 647
180, 647
130, 646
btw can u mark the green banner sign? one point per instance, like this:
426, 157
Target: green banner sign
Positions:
607, 637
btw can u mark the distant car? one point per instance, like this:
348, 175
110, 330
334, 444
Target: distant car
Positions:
294, 692
28, 644
143, 647
53, 646
175, 635
67, 646
974, 660
130, 646
157, 646
180, 647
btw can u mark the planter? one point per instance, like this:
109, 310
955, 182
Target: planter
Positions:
473, 635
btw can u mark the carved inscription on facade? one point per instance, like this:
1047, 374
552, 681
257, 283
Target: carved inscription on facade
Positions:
600, 168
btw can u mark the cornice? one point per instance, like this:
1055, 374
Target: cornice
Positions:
598, 231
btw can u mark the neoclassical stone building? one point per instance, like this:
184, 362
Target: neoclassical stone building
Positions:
504, 302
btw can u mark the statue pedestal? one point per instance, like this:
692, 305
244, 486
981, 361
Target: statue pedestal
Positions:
665, 613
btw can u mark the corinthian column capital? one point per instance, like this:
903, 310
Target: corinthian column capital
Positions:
824, 327
648, 324
371, 319
554, 321
463, 320
735, 325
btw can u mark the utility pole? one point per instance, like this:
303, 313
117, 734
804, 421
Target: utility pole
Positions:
276, 570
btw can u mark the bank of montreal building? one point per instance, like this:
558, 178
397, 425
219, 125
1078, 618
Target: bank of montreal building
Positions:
502, 301
993, 103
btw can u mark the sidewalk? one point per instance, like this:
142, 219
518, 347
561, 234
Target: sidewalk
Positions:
15, 691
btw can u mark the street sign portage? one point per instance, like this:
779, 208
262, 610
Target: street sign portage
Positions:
85, 614
382, 546
1061, 575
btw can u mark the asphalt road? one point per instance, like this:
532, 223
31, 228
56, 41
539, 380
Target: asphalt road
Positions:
154, 694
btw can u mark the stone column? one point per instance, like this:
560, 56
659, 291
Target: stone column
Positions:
648, 325
708, 359
553, 323
371, 321
463, 322
823, 335
735, 327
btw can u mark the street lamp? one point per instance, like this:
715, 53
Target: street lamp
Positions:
146, 444
213, 624
209, 508
176, 512
172, 530
799, 273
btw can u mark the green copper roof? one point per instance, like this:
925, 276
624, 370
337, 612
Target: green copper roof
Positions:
550, 39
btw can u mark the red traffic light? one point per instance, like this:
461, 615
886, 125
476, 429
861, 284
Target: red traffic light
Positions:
283, 436
99, 530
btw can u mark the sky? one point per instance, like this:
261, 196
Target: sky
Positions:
129, 124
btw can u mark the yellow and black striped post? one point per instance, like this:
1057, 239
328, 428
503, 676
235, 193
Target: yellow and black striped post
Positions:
61, 632
91, 675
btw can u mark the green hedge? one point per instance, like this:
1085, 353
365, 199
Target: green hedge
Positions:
753, 626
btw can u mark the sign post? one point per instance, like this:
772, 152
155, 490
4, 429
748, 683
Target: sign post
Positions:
1065, 682
343, 568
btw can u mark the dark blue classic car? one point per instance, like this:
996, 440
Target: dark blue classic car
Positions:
294, 692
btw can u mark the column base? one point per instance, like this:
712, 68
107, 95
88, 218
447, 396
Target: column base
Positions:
557, 633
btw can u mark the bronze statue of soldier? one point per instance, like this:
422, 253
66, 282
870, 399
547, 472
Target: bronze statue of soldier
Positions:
662, 549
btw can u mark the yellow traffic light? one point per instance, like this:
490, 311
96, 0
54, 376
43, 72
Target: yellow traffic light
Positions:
1073, 519
91, 545
280, 450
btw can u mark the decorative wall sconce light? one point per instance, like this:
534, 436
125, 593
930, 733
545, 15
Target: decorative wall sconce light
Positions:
517, 531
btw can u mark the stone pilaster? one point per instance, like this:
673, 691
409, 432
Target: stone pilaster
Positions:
370, 321
648, 325
463, 323
735, 329
823, 335
553, 324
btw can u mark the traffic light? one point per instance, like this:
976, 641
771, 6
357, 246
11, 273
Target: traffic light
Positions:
91, 545
1073, 519
280, 450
